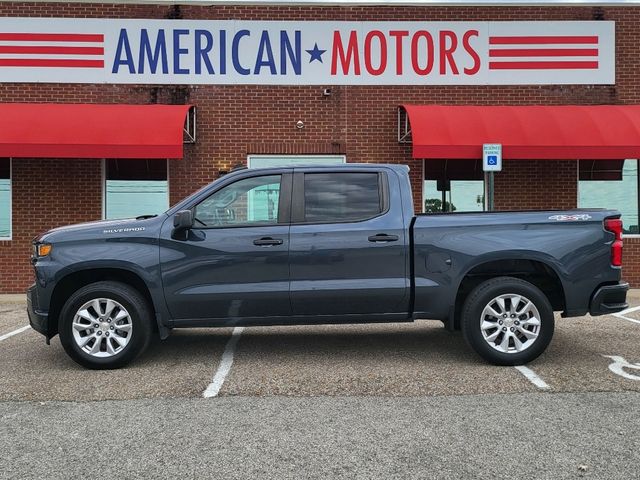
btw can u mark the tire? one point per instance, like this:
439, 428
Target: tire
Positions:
492, 303
89, 321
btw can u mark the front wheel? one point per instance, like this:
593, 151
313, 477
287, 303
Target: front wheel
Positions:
105, 325
507, 321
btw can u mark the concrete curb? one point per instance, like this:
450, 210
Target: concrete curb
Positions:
13, 298
633, 296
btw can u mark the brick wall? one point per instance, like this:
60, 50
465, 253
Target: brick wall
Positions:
536, 184
359, 121
46, 194
631, 261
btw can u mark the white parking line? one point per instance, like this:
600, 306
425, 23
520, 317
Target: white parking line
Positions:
628, 310
625, 312
225, 365
15, 332
533, 377
626, 318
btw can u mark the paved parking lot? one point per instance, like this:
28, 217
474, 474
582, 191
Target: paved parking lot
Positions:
272, 380
413, 359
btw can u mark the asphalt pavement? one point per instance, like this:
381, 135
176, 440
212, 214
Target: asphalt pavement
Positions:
517, 436
355, 401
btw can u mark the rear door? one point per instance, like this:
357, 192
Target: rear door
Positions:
348, 249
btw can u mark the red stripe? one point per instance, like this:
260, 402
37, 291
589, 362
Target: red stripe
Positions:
52, 37
542, 65
544, 52
40, 62
543, 40
53, 50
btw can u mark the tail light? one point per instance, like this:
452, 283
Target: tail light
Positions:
614, 225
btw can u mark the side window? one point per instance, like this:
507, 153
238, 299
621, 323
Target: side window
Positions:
251, 201
341, 197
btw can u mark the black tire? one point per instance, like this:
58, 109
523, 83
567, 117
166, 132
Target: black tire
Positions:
139, 313
480, 297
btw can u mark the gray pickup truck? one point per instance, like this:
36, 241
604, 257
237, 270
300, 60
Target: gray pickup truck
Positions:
312, 245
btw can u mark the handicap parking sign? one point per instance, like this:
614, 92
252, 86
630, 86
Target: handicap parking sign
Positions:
492, 157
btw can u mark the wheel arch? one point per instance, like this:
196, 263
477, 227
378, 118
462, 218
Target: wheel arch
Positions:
540, 273
74, 280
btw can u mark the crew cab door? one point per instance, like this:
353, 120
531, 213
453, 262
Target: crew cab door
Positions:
348, 243
234, 262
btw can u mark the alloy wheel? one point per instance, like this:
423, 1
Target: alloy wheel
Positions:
510, 323
102, 327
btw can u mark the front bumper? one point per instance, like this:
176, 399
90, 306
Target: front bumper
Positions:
39, 320
609, 299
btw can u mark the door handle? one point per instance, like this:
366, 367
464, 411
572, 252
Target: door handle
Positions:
267, 241
383, 237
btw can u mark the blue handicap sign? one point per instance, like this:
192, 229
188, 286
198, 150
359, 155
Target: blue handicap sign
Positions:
492, 159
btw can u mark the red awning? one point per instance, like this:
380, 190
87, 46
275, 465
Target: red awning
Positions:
526, 132
55, 130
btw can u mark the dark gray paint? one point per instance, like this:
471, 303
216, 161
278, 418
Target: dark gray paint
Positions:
325, 273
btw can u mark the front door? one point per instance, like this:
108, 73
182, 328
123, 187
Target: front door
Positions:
234, 262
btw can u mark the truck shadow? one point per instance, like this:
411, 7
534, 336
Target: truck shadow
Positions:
424, 341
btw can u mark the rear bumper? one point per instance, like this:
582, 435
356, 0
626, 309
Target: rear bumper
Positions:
609, 299
39, 320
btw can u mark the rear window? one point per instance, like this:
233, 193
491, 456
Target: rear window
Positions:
341, 197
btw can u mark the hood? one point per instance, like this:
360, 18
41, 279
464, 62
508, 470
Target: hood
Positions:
121, 227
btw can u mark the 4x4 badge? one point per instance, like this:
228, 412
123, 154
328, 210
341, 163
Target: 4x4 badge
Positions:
570, 218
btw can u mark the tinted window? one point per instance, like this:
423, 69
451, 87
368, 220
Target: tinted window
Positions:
341, 197
246, 202
5, 198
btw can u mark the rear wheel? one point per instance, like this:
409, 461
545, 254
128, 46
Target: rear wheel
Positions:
105, 325
507, 321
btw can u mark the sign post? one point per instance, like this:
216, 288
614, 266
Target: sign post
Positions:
491, 162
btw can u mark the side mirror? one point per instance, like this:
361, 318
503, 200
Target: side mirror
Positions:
183, 220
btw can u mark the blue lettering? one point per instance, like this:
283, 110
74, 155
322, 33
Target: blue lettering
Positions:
202, 52
159, 52
177, 51
286, 50
265, 47
223, 52
123, 44
234, 52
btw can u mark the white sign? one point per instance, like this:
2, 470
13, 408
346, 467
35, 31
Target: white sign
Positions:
83, 50
492, 157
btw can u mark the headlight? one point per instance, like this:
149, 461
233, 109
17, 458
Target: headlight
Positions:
43, 249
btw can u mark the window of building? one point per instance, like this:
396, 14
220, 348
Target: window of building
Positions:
5, 198
250, 201
341, 197
611, 184
453, 185
135, 187
265, 161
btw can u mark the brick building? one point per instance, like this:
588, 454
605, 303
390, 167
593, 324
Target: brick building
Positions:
255, 122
